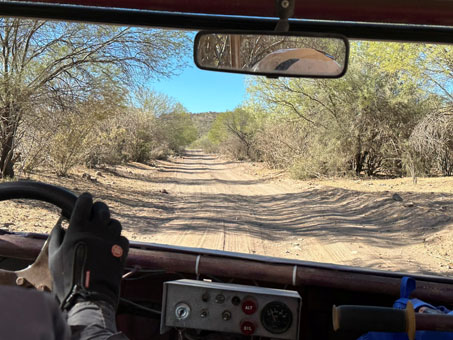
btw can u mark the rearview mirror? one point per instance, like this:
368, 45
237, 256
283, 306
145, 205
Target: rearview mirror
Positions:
273, 54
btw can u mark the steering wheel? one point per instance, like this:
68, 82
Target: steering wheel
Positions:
37, 274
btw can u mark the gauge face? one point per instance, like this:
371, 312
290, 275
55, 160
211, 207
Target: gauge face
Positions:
276, 317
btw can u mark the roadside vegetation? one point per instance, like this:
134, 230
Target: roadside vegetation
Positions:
74, 94
77, 94
390, 115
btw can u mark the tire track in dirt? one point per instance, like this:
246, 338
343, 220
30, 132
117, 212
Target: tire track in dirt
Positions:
205, 201
188, 227
227, 210
221, 206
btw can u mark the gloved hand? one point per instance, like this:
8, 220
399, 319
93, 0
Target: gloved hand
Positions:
87, 260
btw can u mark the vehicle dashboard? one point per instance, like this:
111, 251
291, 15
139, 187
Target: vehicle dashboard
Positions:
313, 288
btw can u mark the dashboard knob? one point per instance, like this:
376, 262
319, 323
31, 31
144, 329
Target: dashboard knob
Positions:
249, 306
248, 327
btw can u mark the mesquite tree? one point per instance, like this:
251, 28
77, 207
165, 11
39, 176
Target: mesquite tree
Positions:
46, 64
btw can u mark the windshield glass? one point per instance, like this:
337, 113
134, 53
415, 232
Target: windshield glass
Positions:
352, 171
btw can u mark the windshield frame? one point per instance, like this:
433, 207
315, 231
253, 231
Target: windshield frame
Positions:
118, 16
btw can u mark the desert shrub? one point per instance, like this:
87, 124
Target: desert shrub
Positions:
233, 133
127, 136
235, 148
322, 157
432, 141
281, 142
140, 135
359, 124
176, 129
71, 143
59, 140
34, 145
205, 144
161, 152
109, 145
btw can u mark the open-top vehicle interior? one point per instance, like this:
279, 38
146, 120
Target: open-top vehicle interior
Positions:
175, 292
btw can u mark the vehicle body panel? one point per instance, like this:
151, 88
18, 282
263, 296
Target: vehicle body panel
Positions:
320, 285
420, 12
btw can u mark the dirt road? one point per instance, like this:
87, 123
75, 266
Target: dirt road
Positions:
219, 204
204, 201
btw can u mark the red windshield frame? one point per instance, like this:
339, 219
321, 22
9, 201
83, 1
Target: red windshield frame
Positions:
421, 12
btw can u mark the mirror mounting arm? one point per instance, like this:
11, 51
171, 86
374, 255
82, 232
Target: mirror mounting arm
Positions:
285, 10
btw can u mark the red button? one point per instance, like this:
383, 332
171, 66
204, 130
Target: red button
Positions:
117, 251
249, 306
247, 327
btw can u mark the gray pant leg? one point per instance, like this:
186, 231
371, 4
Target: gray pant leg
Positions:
29, 314
93, 320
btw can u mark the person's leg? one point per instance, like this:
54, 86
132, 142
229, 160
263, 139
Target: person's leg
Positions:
29, 314
93, 320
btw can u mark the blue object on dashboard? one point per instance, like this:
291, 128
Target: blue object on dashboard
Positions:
407, 287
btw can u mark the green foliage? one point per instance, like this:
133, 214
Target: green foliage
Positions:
154, 129
76, 132
57, 66
359, 124
205, 144
67, 98
233, 132
177, 129
70, 146
105, 129
203, 122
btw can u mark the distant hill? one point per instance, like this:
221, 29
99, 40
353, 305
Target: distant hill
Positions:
203, 121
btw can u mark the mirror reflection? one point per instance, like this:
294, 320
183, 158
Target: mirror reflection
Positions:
284, 55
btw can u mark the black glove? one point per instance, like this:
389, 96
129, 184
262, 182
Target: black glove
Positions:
87, 260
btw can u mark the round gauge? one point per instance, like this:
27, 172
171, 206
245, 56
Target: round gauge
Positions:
276, 317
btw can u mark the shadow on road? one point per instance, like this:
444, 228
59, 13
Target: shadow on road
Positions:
343, 215
339, 215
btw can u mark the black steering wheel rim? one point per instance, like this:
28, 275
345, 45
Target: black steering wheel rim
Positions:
58, 196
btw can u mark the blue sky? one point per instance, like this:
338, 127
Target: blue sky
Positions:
202, 91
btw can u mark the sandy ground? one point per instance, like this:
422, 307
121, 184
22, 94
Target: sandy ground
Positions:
205, 201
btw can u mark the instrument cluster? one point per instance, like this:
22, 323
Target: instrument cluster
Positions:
231, 308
